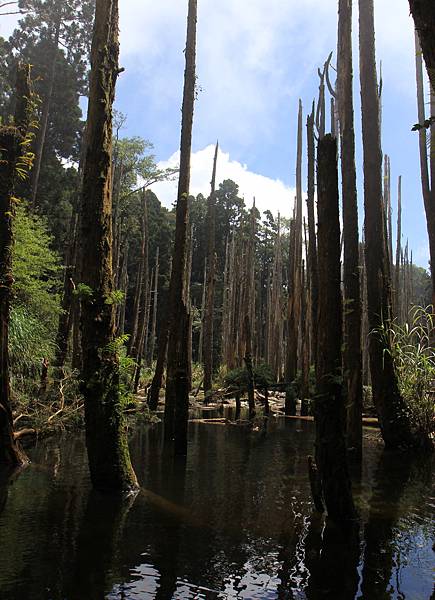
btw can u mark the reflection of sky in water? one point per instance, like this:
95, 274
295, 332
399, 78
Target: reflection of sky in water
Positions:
234, 522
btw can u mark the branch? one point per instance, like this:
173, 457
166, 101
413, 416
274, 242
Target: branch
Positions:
7, 4
328, 81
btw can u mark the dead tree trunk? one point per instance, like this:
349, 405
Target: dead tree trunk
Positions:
248, 301
66, 317
391, 408
211, 275
141, 286
11, 149
329, 405
106, 437
177, 384
423, 12
427, 168
295, 280
155, 301
143, 303
397, 292
312, 243
352, 357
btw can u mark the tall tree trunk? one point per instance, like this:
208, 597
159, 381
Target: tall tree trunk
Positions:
312, 252
397, 293
140, 287
106, 436
43, 127
427, 174
211, 275
329, 405
423, 12
202, 313
248, 302
143, 303
11, 148
177, 392
295, 280
66, 317
393, 415
352, 357
155, 301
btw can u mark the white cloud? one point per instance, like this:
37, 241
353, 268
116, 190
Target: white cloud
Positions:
270, 194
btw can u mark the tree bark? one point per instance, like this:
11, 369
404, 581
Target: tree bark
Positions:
177, 376
155, 301
352, 356
427, 174
397, 291
211, 275
312, 251
423, 12
66, 317
106, 436
11, 148
329, 405
393, 416
295, 278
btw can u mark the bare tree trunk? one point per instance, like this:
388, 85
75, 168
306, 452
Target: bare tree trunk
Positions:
143, 304
397, 291
155, 304
106, 437
248, 301
141, 286
46, 106
211, 275
66, 317
391, 408
312, 253
295, 279
423, 12
11, 149
329, 405
427, 175
177, 392
123, 282
352, 357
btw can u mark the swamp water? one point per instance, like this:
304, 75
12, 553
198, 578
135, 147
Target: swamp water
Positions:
233, 521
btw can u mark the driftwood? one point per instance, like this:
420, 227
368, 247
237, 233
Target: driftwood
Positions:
24, 433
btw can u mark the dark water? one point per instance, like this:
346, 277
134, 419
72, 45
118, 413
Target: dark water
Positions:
234, 521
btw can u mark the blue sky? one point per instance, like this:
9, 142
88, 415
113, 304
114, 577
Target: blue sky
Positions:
256, 58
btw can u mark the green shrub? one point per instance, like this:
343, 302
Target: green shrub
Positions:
414, 361
237, 379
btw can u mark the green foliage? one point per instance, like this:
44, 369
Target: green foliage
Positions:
117, 344
83, 291
115, 297
238, 378
36, 269
414, 359
35, 304
29, 341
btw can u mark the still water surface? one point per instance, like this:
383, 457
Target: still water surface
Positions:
233, 521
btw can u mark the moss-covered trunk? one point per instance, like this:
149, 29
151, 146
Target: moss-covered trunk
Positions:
11, 148
106, 435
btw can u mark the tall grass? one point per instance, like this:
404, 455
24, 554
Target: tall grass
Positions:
411, 348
